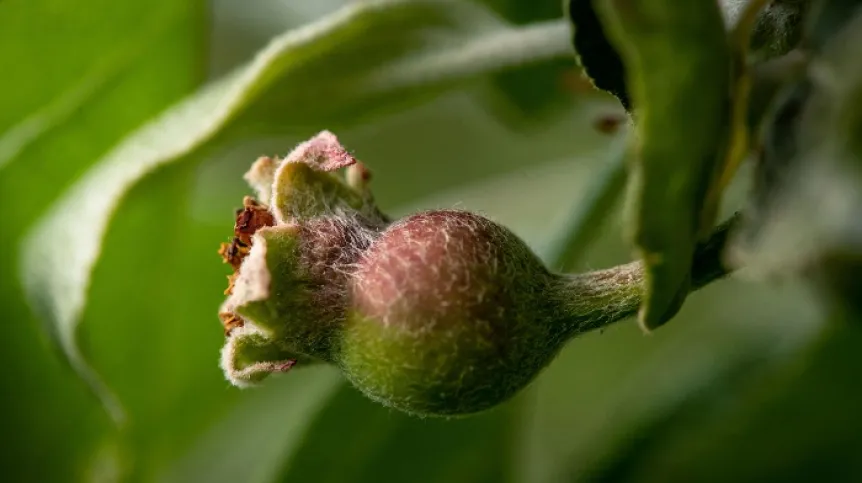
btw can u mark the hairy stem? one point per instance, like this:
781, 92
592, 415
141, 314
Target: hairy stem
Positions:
596, 299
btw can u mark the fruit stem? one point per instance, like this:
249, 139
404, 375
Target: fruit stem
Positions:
596, 299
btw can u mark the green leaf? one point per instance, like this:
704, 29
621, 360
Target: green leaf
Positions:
81, 75
770, 29
365, 57
148, 326
528, 95
64, 69
598, 57
679, 69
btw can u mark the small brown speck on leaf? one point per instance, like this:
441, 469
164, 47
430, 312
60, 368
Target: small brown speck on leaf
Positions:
609, 123
576, 82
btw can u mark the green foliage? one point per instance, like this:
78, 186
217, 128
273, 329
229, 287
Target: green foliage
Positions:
523, 96
678, 66
79, 76
666, 63
598, 57
119, 168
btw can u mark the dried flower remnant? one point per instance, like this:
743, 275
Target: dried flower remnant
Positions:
230, 321
313, 217
443, 312
249, 219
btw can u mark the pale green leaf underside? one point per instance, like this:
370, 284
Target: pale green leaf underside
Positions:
61, 251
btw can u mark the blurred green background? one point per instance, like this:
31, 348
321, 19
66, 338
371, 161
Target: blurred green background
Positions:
747, 384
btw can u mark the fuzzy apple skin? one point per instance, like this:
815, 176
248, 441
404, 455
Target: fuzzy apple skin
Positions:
442, 313
449, 315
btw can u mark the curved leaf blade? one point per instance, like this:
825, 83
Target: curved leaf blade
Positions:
598, 57
679, 70
59, 254
527, 96
66, 83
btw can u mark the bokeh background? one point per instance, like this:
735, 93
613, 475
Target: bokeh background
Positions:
748, 383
